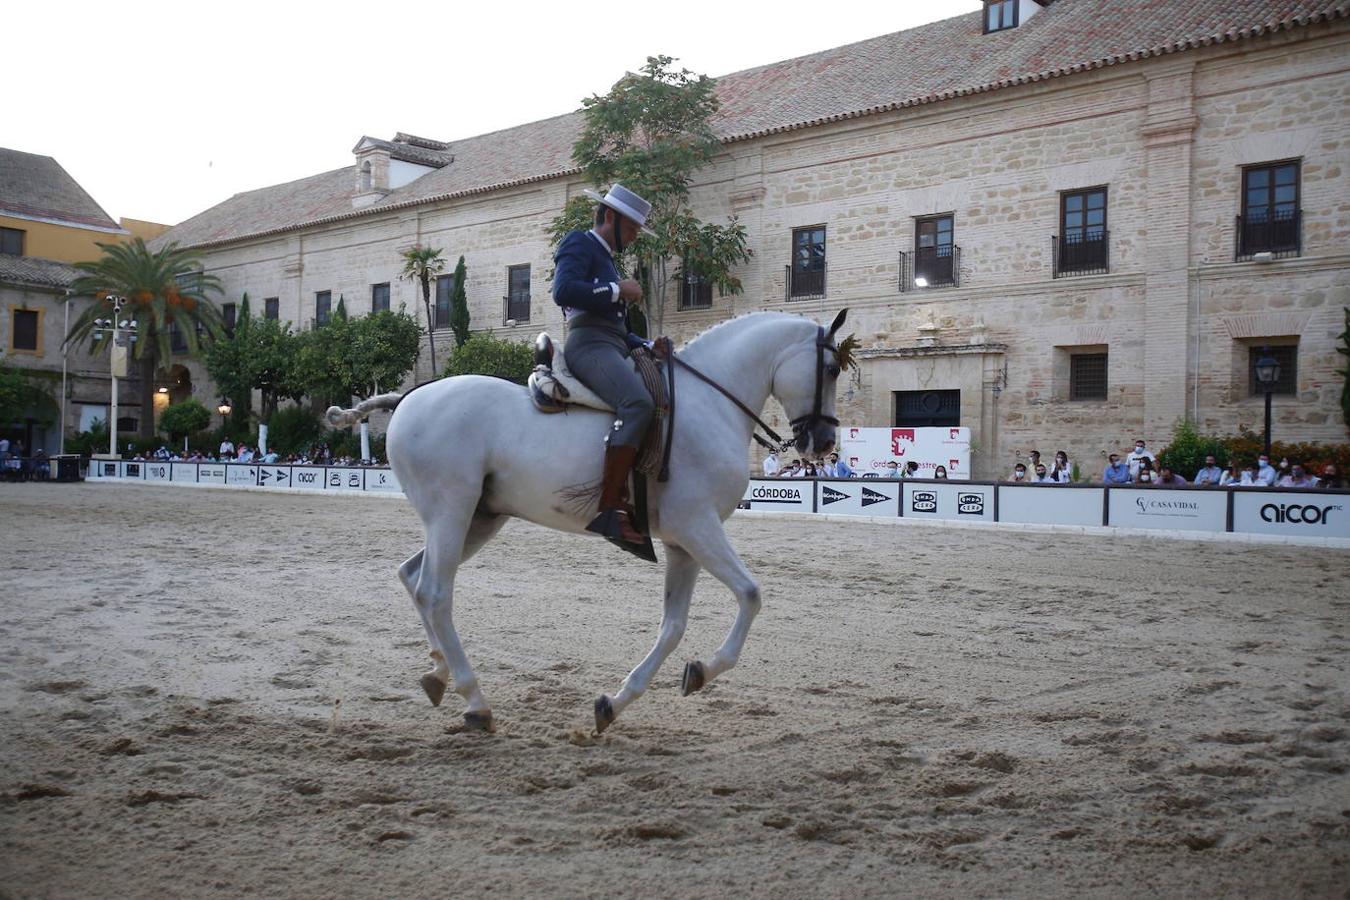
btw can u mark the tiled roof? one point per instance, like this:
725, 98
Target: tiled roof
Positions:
37, 186
30, 271
414, 151
908, 68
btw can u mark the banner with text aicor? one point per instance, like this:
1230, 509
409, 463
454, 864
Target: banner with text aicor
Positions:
859, 497
1176, 510
781, 495
956, 502
1292, 513
867, 450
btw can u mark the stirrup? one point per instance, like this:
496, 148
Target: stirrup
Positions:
607, 525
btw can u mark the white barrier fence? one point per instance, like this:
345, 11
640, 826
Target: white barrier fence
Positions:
1269, 511
375, 479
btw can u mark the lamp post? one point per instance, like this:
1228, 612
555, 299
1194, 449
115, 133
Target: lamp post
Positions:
118, 358
1267, 373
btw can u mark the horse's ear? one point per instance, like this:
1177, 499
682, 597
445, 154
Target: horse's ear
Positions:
839, 321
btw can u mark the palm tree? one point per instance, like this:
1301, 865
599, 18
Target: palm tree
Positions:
165, 291
421, 264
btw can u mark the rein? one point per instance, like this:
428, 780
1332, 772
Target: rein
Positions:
775, 442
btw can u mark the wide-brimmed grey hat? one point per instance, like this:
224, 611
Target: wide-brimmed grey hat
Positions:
625, 203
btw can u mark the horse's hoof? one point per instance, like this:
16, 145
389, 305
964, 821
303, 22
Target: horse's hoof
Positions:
434, 687
693, 678
604, 713
478, 721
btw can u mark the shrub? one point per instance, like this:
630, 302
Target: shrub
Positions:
484, 354
293, 429
1186, 453
184, 418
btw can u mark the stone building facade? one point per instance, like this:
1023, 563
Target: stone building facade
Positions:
1064, 235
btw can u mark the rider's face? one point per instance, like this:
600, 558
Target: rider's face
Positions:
628, 230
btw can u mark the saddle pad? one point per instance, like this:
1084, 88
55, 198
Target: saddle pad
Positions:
562, 387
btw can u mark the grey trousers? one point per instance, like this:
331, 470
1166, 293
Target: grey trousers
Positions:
598, 355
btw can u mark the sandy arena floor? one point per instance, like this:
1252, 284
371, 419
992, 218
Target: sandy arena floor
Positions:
918, 712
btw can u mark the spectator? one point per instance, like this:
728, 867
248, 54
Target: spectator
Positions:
1034, 457
1248, 478
1062, 470
1330, 478
838, 469
269, 457
1042, 476
1229, 476
1211, 474
771, 466
811, 471
1136, 459
911, 470
42, 469
1145, 475
794, 470
892, 470
4, 451
1116, 472
245, 454
1168, 478
226, 448
940, 473
1265, 472
1019, 472
1297, 478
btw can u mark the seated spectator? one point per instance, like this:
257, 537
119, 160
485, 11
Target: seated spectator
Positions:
1042, 475
1168, 478
245, 454
1229, 476
1330, 478
811, 471
1266, 475
771, 465
1137, 458
1146, 473
940, 473
911, 470
42, 468
1248, 477
1019, 472
1116, 472
1297, 478
1211, 474
892, 469
1061, 471
269, 457
226, 448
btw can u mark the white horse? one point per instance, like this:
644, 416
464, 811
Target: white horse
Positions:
468, 451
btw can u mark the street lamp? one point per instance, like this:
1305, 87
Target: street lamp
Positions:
1267, 373
224, 408
114, 328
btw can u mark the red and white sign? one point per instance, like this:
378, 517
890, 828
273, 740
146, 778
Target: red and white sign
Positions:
872, 448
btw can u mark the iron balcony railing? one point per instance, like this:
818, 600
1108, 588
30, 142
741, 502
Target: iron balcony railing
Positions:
1279, 235
805, 285
1081, 254
930, 267
516, 307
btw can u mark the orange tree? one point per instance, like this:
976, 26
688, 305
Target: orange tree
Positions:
165, 291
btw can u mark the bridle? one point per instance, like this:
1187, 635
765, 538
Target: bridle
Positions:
800, 424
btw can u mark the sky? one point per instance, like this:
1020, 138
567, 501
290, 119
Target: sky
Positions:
161, 110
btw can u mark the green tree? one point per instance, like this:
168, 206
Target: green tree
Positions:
421, 264
1186, 452
1344, 350
483, 354
459, 305
355, 357
15, 393
652, 132
183, 419
166, 292
261, 355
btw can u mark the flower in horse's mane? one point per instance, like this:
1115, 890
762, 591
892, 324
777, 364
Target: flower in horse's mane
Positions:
845, 351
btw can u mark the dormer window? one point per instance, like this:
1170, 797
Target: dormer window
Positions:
1000, 15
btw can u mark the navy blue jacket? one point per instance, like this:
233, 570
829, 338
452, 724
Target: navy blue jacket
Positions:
584, 276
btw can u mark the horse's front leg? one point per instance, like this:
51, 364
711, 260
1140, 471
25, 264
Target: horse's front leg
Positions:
681, 573
707, 542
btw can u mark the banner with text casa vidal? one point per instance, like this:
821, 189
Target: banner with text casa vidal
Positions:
867, 450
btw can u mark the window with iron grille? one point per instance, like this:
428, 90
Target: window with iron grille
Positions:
323, 307
11, 241
445, 287
1082, 245
934, 250
24, 333
1087, 376
695, 290
999, 15
518, 293
927, 409
1270, 215
379, 297
228, 313
1286, 355
807, 273
272, 308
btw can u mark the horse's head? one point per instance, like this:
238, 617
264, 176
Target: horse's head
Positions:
804, 383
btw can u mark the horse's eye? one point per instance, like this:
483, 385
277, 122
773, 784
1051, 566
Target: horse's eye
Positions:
834, 371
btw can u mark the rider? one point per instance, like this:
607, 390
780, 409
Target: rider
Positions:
595, 300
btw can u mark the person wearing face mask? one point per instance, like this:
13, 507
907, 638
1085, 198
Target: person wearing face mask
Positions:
1019, 472
1330, 479
1062, 470
1137, 457
1297, 478
1265, 472
1145, 475
1116, 472
1042, 476
892, 470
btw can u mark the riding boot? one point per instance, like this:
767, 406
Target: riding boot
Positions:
614, 520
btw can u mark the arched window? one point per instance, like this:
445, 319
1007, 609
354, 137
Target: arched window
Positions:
365, 175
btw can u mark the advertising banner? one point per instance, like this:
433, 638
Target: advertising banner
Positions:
241, 473
132, 470
310, 477
859, 497
958, 502
867, 450
184, 471
1050, 504
274, 476
211, 473
344, 479
1181, 510
780, 494
103, 468
382, 480
157, 471
1292, 513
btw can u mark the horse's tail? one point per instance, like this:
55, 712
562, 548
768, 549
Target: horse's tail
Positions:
340, 418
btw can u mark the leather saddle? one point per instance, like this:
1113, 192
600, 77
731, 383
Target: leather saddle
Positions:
552, 385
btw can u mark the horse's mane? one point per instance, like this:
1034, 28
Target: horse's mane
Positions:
714, 329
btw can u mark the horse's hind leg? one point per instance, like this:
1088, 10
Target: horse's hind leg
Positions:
709, 545
681, 573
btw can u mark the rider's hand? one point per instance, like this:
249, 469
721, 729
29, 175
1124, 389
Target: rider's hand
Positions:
630, 290
662, 348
